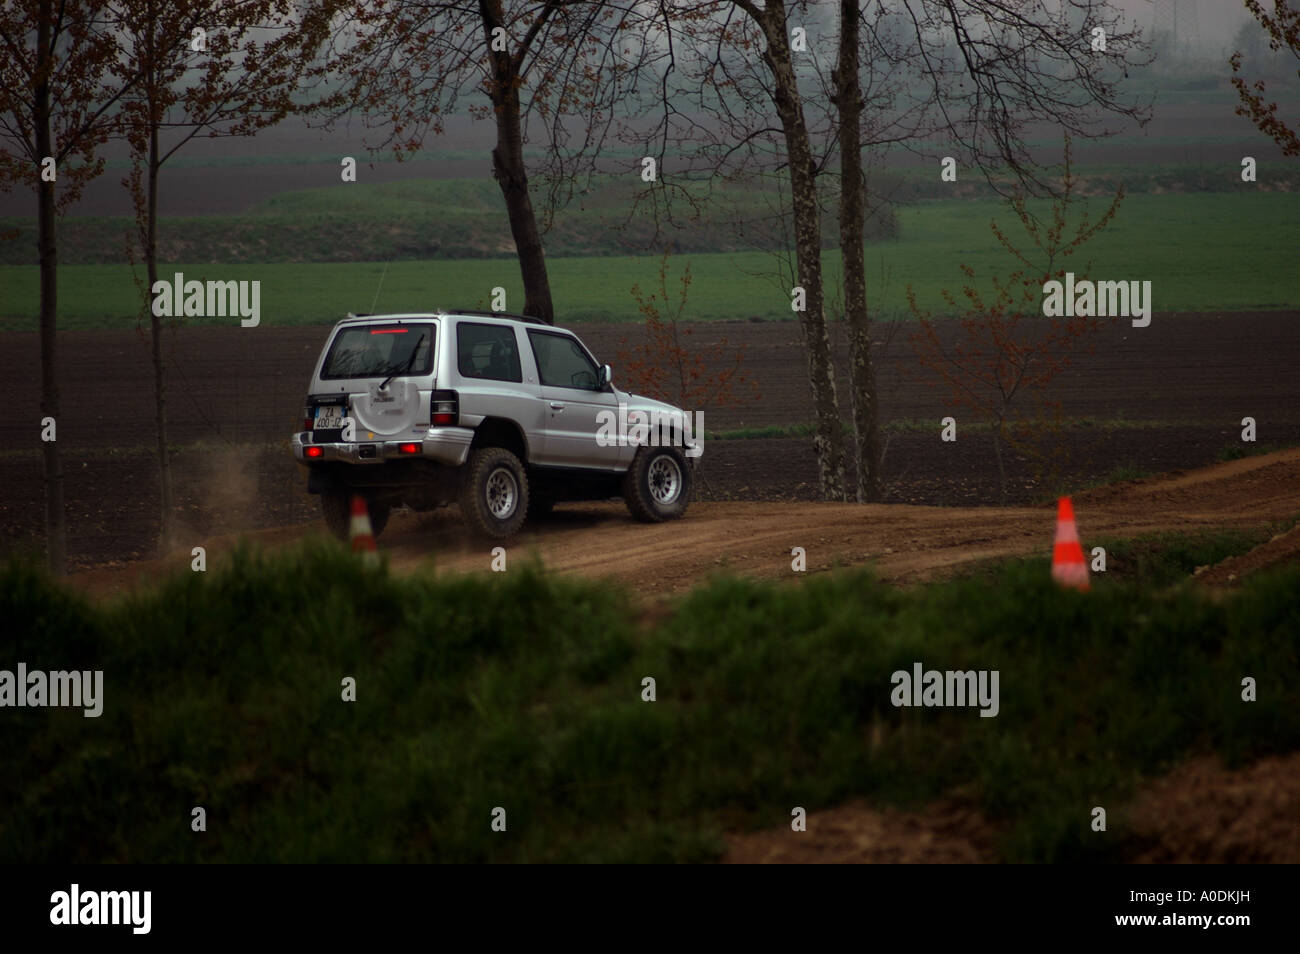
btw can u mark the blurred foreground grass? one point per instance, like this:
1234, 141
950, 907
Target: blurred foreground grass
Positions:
523, 690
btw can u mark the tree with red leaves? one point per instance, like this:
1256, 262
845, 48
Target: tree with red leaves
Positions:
1004, 347
1283, 29
667, 368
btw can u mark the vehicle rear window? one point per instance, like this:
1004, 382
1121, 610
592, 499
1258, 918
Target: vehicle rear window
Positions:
487, 351
376, 351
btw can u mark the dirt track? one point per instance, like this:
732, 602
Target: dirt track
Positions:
1201, 813
905, 543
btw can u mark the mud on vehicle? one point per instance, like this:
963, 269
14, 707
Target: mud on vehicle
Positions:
501, 414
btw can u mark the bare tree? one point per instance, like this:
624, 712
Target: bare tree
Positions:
738, 65
757, 95
564, 67
239, 79
58, 95
847, 99
802, 166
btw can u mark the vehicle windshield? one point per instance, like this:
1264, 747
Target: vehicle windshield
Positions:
377, 351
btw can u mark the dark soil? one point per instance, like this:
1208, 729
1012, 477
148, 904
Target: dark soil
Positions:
1167, 397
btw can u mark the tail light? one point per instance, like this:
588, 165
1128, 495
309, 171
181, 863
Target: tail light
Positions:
306, 418
409, 448
311, 450
444, 408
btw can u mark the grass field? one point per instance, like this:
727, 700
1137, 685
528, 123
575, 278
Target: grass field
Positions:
524, 691
1202, 252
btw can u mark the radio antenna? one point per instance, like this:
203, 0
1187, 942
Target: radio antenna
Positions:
377, 290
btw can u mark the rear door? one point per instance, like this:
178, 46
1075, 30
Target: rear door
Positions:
384, 370
572, 408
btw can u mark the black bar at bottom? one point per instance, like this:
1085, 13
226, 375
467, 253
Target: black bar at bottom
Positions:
332, 904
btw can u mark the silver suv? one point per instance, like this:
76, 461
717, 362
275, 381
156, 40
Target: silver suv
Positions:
503, 414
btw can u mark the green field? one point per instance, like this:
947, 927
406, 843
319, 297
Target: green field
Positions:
1202, 252
524, 690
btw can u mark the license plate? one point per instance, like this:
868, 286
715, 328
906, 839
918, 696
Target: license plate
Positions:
328, 417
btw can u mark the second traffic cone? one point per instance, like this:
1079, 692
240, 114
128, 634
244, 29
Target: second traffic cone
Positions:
360, 533
1068, 566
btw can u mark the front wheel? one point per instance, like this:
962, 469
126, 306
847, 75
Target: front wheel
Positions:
657, 486
494, 497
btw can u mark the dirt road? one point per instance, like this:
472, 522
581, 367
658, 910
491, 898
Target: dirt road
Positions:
905, 543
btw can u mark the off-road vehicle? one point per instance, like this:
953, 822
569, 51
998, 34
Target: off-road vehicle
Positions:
504, 414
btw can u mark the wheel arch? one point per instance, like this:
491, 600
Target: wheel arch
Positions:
501, 432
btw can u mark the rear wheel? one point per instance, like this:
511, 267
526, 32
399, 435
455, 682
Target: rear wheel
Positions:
336, 505
657, 486
494, 497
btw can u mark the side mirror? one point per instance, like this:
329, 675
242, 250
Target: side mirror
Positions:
606, 377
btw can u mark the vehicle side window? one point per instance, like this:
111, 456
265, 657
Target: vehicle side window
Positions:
561, 362
487, 351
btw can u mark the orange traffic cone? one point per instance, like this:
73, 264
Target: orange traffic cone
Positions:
361, 535
1068, 566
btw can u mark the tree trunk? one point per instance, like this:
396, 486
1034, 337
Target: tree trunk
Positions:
56, 529
997, 453
166, 534
848, 101
511, 174
829, 441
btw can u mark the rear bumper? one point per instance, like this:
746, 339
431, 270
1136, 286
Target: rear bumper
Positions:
443, 445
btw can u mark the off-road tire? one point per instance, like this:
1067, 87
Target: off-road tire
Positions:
657, 487
494, 496
336, 505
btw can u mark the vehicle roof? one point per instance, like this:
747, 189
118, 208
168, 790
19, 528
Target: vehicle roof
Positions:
449, 313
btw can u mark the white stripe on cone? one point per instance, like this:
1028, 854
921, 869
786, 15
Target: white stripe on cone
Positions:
361, 535
1071, 574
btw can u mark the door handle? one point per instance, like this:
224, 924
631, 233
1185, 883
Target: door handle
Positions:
557, 405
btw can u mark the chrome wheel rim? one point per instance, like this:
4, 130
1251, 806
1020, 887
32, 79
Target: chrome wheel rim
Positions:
665, 479
502, 493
